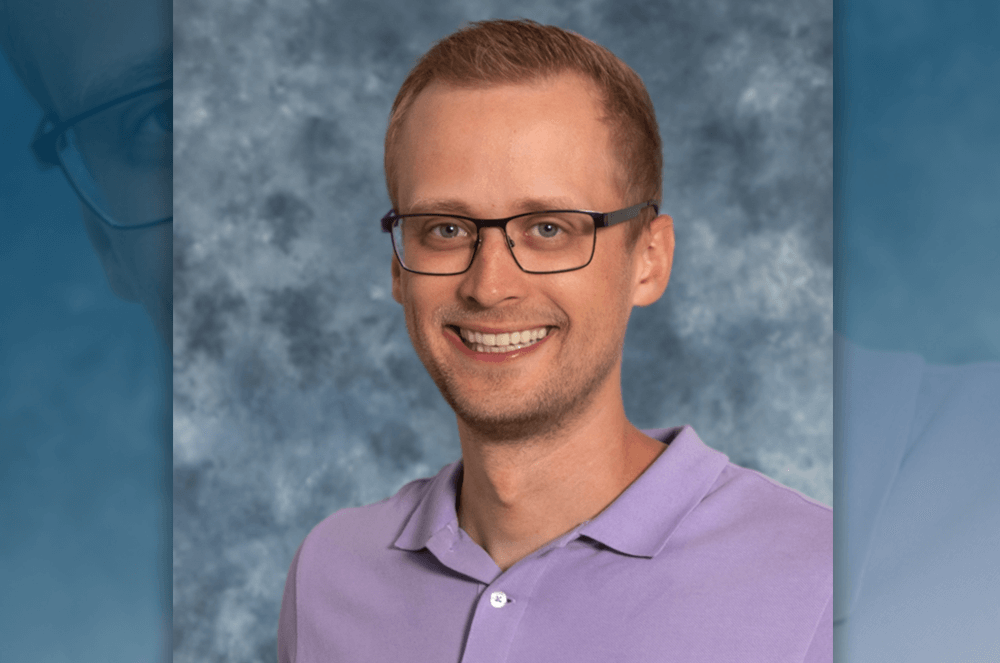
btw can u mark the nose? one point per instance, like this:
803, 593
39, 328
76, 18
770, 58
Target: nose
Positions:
494, 276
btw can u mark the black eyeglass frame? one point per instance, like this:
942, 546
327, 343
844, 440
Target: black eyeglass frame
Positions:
601, 220
45, 141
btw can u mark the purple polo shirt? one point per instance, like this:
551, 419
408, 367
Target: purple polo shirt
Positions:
699, 560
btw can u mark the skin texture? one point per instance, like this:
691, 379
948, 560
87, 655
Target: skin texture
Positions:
74, 56
545, 441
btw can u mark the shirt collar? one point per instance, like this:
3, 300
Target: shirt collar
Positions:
638, 523
646, 514
435, 511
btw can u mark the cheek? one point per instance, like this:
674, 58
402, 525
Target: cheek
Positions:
604, 294
610, 306
419, 305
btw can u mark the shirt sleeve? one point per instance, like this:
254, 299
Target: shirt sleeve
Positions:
821, 647
287, 623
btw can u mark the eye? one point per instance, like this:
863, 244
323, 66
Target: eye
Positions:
448, 230
147, 133
547, 230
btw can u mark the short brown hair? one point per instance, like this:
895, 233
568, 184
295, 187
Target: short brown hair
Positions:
509, 52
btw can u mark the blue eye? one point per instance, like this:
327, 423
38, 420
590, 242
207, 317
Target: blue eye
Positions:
547, 230
448, 230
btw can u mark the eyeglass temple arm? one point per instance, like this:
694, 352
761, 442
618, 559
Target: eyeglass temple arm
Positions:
627, 214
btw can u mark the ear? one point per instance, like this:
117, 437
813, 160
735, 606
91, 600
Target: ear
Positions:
654, 256
114, 268
397, 275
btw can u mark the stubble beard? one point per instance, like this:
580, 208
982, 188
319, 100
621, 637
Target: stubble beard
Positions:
522, 416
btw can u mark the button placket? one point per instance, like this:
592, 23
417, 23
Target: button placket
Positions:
497, 615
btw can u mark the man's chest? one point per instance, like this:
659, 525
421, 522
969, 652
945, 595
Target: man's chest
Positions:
580, 608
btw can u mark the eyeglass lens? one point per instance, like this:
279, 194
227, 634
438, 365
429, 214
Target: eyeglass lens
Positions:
121, 160
542, 242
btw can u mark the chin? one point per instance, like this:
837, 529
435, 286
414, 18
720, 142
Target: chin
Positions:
542, 412
510, 426
552, 402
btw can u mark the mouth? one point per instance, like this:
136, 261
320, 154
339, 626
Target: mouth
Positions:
501, 342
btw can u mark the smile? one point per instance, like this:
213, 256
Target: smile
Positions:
503, 342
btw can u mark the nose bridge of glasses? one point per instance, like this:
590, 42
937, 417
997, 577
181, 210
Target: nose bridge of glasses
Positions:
490, 250
501, 235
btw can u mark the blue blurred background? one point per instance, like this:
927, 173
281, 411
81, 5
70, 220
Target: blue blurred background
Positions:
84, 407
917, 261
917, 271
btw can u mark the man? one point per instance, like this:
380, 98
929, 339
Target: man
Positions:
563, 533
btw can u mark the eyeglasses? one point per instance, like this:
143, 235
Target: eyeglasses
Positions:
540, 242
117, 156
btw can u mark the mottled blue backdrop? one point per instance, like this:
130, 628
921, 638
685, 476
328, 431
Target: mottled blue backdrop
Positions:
296, 389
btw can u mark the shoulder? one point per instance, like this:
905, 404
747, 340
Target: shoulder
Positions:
774, 543
769, 527
761, 555
351, 544
758, 499
763, 495
348, 549
755, 498
365, 529
736, 507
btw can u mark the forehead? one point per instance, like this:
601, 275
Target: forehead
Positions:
541, 139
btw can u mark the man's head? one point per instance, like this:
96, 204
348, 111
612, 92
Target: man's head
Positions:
75, 56
493, 53
496, 150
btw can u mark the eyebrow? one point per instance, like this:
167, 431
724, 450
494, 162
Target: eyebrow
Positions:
109, 84
522, 205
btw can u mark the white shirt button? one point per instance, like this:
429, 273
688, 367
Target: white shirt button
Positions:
498, 599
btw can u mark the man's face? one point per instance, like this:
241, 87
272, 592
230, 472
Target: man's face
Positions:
80, 55
493, 153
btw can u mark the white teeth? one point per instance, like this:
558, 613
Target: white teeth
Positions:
505, 342
498, 349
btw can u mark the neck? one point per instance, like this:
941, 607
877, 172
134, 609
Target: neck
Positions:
518, 496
